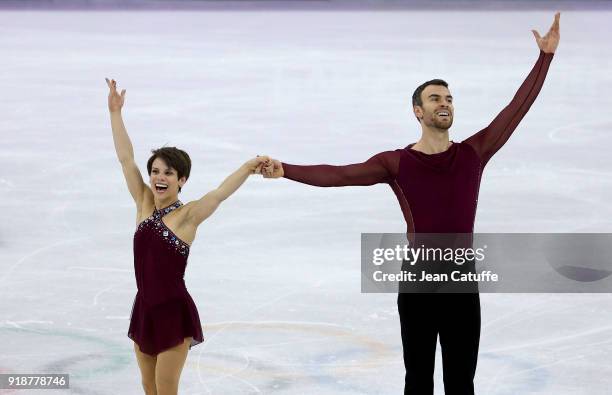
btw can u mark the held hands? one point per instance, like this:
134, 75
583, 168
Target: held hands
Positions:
115, 100
272, 169
255, 165
266, 166
550, 41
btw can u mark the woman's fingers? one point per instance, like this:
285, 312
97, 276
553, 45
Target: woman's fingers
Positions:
112, 84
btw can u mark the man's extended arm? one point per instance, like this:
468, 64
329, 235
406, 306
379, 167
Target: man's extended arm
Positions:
381, 168
490, 139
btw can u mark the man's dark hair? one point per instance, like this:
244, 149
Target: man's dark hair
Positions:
174, 158
417, 100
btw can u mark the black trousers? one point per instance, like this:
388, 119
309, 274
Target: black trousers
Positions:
456, 318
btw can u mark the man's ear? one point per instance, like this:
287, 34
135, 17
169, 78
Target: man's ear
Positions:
182, 181
418, 112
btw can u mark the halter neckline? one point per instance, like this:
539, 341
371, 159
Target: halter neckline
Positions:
167, 209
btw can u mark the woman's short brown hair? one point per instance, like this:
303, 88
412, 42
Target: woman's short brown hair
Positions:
174, 158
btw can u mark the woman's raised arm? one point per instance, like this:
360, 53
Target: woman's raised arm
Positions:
123, 146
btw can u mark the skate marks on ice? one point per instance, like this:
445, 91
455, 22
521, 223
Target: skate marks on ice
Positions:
580, 133
258, 355
546, 343
89, 360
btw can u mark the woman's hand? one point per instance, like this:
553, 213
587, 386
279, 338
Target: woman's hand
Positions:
254, 165
115, 100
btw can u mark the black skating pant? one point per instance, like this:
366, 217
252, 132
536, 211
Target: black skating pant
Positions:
456, 318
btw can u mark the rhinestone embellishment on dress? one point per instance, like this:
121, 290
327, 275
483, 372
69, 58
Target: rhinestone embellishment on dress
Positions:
155, 221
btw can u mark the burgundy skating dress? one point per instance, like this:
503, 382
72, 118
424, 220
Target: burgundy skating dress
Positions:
163, 313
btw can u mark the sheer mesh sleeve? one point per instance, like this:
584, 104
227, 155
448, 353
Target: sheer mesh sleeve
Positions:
381, 168
490, 139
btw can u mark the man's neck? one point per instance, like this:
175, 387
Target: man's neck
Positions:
433, 141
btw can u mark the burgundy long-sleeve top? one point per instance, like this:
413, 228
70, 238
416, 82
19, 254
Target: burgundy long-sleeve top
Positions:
438, 193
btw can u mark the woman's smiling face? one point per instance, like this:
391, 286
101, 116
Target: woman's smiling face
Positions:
164, 180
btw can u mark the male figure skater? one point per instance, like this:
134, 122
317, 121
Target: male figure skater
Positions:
436, 182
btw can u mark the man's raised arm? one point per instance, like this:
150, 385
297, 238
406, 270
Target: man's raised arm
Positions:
490, 139
381, 168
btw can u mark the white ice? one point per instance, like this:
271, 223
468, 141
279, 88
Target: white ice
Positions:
275, 272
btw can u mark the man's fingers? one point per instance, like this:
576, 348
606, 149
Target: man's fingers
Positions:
107, 82
268, 166
555, 25
556, 22
123, 94
536, 35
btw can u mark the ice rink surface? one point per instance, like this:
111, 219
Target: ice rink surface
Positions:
275, 273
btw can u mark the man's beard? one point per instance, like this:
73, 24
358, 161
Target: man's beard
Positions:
440, 124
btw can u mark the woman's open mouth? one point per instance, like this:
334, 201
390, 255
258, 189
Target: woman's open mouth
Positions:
161, 188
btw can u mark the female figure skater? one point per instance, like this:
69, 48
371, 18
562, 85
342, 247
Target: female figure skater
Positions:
164, 321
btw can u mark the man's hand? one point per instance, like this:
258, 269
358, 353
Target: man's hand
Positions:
115, 100
272, 169
550, 41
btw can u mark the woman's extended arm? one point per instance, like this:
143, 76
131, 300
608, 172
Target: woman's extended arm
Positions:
199, 210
